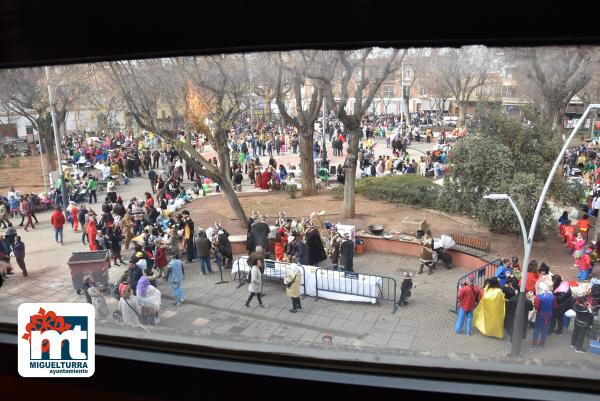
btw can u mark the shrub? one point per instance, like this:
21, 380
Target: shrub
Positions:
565, 194
292, 189
406, 189
338, 192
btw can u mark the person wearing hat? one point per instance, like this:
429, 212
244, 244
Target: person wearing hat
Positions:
134, 273
468, 297
314, 243
426, 256
515, 268
335, 239
347, 253
224, 246
405, 289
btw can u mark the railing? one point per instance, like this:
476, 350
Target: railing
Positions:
274, 270
348, 283
484, 272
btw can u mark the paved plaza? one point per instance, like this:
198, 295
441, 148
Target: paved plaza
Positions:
423, 328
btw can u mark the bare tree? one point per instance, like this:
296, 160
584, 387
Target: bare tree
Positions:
462, 71
23, 91
362, 73
102, 98
554, 75
304, 74
224, 81
140, 85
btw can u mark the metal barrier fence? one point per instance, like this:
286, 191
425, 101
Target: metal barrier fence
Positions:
348, 283
484, 272
274, 270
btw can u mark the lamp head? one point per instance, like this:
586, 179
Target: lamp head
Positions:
497, 197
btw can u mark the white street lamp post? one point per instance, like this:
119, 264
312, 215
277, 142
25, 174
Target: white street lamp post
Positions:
519, 321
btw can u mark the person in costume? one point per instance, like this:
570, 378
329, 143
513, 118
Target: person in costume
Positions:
92, 231
584, 264
544, 303
316, 250
488, 316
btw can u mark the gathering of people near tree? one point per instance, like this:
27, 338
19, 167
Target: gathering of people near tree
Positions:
219, 145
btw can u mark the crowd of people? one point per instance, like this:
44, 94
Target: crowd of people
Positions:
552, 303
152, 229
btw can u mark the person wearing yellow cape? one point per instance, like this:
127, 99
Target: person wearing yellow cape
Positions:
488, 317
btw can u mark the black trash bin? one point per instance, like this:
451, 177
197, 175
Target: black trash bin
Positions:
95, 264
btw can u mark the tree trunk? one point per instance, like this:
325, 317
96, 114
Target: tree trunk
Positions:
406, 113
307, 163
225, 185
350, 165
46, 134
269, 111
224, 164
461, 113
234, 202
220, 146
555, 116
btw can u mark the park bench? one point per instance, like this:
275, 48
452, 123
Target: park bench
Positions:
471, 245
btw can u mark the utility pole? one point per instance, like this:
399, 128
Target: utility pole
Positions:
402, 100
324, 160
57, 141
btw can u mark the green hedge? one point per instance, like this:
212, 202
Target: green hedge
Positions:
406, 189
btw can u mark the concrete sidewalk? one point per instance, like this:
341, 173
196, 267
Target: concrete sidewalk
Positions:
424, 327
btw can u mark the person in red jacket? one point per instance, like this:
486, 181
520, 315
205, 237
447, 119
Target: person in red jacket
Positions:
160, 255
468, 297
149, 204
533, 275
58, 221
92, 231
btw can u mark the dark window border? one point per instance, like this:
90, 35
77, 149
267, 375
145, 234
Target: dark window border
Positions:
286, 366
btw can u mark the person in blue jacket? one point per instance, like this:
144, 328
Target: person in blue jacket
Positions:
503, 271
175, 277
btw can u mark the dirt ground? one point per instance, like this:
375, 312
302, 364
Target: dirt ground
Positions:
215, 208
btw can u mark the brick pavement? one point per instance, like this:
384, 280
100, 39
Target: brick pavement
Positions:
423, 328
